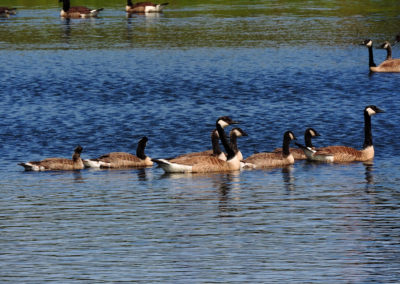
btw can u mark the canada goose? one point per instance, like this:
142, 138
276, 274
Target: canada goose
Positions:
273, 159
386, 45
298, 154
344, 154
6, 11
206, 164
144, 7
216, 151
77, 11
397, 39
57, 164
122, 159
392, 65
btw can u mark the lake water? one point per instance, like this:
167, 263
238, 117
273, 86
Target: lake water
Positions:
105, 83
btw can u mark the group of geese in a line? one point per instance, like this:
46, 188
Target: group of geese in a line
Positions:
85, 12
217, 161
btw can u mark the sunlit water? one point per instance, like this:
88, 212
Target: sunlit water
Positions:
306, 223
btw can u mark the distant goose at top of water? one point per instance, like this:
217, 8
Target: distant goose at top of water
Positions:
298, 154
122, 159
144, 7
392, 65
272, 159
57, 164
344, 154
206, 164
6, 11
397, 39
77, 11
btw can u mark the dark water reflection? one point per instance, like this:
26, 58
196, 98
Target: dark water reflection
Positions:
105, 83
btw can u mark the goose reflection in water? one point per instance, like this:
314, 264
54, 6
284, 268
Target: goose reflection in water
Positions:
228, 185
288, 178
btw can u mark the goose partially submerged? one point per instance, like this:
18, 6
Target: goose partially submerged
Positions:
344, 154
206, 164
77, 11
122, 159
6, 11
144, 7
57, 164
391, 65
272, 159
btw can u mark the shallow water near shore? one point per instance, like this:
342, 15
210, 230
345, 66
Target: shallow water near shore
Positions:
105, 83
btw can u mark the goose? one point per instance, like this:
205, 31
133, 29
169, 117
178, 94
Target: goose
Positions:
216, 151
397, 39
386, 45
298, 154
392, 65
344, 154
122, 159
272, 159
144, 7
57, 164
6, 11
77, 11
206, 164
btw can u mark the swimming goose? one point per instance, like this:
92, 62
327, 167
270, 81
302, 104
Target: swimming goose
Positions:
144, 7
6, 11
344, 154
273, 159
298, 154
122, 159
392, 65
216, 151
206, 164
77, 11
397, 39
386, 45
57, 164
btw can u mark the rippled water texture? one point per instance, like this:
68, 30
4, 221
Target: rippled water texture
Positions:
105, 83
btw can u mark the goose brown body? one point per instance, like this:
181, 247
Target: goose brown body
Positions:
57, 164
345, 154
77, 11
273, 159
122, 159
143, 7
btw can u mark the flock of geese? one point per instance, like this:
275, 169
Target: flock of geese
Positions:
216, 160
85, 12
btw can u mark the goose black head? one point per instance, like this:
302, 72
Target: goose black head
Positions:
385, 45
238, 132
224, 121
371, 110
78, 149
312, 132
367, 42
289, 136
